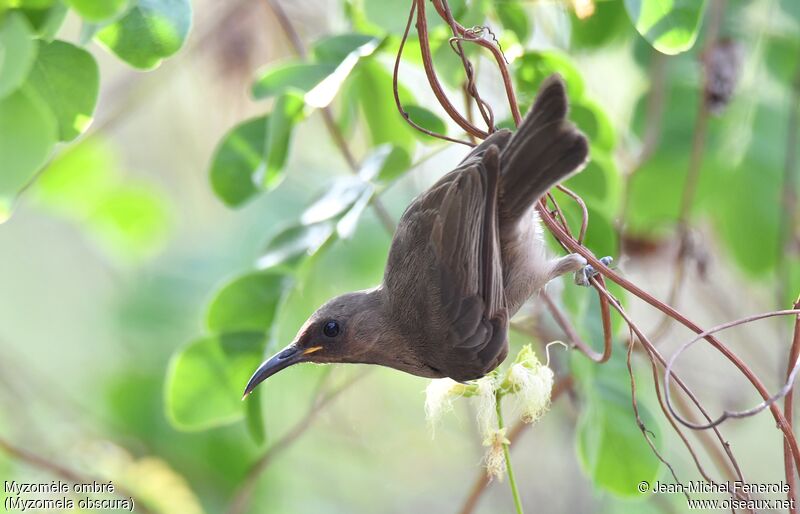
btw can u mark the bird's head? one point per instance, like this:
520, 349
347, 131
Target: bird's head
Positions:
344, 329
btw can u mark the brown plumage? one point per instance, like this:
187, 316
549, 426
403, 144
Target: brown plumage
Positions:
466, 255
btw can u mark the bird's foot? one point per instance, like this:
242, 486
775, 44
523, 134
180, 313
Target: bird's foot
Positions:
583, 277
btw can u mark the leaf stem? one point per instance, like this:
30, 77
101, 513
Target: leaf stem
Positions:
507, 455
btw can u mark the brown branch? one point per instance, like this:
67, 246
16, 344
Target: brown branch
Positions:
648, 435
788, 410
241, 499
497, 53
482, 481
768, 402
396, 89
433, 80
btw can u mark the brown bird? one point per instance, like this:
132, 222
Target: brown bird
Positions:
467, 253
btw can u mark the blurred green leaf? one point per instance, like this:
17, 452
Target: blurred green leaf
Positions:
68, 79
608, 434
28, 4
357, 46
593, 121
237, 159
373, 90
335, 49
247, 303
294, 243
150, 31
17, 51
514, 18
286, 113
279, 78
599, 184
534, 67
338, 197
47, 21
608, 23
131, 221
27, 136
78, 178
385, 164
94, 10
746, 213
206, 379
781, 57
254, 417
669, 25
335, 56
427, 120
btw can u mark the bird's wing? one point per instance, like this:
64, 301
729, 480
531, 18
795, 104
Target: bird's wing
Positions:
445, 271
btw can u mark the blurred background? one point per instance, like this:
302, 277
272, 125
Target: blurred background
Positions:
116, 262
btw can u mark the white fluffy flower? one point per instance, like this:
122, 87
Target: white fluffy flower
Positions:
495, 459
534, 387
439, 398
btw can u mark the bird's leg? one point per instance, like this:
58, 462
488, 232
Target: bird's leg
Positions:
567, 264
584, 275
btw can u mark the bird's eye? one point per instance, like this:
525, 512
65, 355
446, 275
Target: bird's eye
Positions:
331, 328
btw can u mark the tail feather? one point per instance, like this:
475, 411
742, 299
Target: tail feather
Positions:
545, 150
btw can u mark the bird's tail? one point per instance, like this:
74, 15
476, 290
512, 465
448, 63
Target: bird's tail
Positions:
545, 150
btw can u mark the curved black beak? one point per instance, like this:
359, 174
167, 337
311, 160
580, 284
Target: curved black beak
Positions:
292, 354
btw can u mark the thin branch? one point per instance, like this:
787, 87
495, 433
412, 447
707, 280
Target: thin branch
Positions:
433, 80
647, 434
788, 410
396, 88
241, 500
768, 402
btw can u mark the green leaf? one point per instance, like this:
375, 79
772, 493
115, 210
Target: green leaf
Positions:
608, 434
534, 67
514, 18
337, 198
206, 379
599, 184
294, 243
669, 25
607, 24
94, 10
27, 4
254, 417
27, 136
335, 49
373, 89
46, 22
427, 120
131, 221
286, 113
280, 78
335, 56
79, 178
149, 32
357, 47
247, 303
593, 121
237, 159
385, 164
68, 79
17, 52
